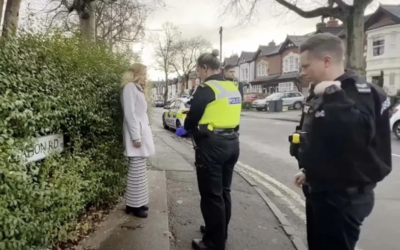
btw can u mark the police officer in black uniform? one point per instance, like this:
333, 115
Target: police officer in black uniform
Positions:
213, 120
344, 145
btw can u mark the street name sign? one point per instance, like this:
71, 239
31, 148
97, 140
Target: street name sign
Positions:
44, 146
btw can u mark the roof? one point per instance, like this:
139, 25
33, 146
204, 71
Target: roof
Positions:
393, 9
232, 60
247, 56
297, 40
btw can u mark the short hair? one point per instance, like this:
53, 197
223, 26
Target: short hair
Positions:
322, 43
228, 67
210, 60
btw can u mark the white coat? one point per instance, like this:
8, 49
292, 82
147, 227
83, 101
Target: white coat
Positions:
136, 122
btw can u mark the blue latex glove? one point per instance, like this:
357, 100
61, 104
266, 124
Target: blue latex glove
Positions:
181, 131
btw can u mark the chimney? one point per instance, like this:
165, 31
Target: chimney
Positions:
271, 44
333, 22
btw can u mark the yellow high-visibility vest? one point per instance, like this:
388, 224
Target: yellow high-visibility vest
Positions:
224, 112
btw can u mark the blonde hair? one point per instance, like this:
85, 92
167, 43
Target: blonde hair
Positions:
137, 74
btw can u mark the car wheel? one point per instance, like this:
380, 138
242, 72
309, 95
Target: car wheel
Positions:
164, 123
297, 105
178, 123
259, 109
396, 129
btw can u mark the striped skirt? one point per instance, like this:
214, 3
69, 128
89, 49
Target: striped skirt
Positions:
137, 193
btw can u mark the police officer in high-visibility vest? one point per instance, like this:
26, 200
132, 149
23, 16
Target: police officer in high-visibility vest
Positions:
213, 120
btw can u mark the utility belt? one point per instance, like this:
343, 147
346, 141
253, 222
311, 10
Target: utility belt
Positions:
207, 128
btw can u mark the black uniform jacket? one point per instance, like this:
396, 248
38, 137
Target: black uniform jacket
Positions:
350, 139
202, 96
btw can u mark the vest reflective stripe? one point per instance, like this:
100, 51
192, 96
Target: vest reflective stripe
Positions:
222, 92
224, 111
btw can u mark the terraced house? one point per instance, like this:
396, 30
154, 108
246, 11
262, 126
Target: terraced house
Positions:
277, 67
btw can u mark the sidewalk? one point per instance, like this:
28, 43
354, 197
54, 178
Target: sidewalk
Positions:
291, 115
174, 215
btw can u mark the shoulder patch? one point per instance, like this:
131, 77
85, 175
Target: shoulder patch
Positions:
363, 88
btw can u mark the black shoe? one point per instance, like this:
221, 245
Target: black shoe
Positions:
144, 208
203, 231
198, 244
136, 211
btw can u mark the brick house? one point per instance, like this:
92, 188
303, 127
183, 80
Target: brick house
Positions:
277, 67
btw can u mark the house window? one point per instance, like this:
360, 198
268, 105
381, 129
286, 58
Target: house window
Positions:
262, 69
393, 38
291, 63
246, 73
391, 79
285, 87
375, 79
378, 46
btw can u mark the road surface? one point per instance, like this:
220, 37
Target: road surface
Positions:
264, 157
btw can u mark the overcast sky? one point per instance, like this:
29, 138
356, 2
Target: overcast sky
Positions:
203, 17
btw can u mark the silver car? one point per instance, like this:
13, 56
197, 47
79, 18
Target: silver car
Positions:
293, 100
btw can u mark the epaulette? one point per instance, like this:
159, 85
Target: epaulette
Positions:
201, 85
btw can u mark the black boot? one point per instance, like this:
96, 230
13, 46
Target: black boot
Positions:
136, 211
144, 208
198, 244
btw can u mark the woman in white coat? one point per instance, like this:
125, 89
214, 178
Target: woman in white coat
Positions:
138, 139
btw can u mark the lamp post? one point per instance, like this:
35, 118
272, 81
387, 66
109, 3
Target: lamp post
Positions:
220, 42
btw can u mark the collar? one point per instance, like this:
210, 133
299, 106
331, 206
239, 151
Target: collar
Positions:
216, 77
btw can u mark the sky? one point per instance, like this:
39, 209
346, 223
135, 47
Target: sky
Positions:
204, 17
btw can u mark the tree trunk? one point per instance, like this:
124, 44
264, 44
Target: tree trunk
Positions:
1, 11
11, 16
166, 88
355, 42
87, 22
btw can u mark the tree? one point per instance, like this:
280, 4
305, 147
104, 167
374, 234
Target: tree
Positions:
164, 51
1, 11
116, 22
381, 80
11, 17
87, 18
186, 52
351, 15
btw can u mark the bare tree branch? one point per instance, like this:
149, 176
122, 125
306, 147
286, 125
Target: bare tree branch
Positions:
164, 52
186, 52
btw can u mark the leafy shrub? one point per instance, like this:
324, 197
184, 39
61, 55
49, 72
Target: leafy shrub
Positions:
48, 85
246, 105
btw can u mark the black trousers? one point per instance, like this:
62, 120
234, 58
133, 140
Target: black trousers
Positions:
218, 156
309, 218
334, 218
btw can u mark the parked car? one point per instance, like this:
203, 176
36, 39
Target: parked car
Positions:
294, 100
173, 116
253, 96
158, 103
395, 121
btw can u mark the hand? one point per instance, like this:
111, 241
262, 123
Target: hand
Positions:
320, 87
137, 143
299, 179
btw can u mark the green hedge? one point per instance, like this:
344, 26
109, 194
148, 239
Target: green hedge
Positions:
53, 84
246, 105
